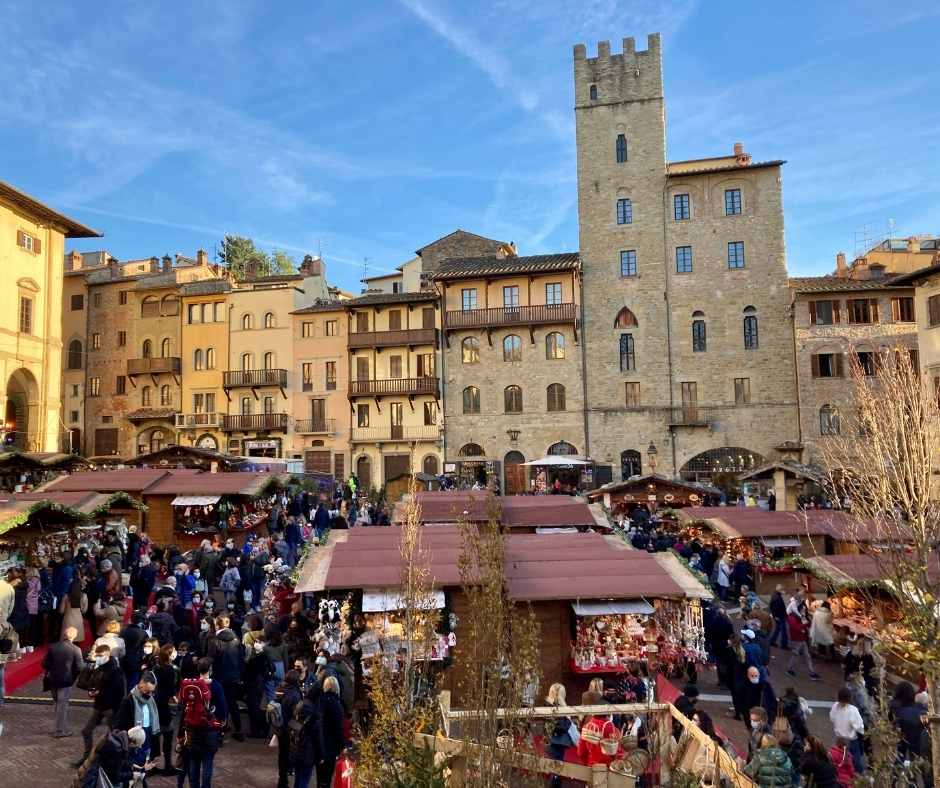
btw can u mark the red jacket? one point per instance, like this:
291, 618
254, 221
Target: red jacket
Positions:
799, 632
590, 752
845, 767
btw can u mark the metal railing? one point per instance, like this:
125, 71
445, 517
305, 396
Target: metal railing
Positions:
397, 432
508, 316
412, 336
394, 386
690, 416
154, 366
315, 426
256, 422
254, 377
196, 420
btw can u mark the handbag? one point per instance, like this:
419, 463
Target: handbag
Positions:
46, 684
85, 680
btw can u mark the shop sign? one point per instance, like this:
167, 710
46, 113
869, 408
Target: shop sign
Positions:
262, 444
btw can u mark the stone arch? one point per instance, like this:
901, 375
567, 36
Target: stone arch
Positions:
153, 439
207, 441
562, 449
472, 450
430, 465
625, 319
720, 460
22, 427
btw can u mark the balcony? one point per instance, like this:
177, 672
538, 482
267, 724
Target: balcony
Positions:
395, 433
256, 422
154, 366
254, 378
405, 337
315, 426
690, 416
393, 387
511, 316
195, 421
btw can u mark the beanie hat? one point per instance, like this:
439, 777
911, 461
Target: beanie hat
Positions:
106, 565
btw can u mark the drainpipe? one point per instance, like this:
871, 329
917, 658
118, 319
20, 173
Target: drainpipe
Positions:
442, 343
672, 431
584, 371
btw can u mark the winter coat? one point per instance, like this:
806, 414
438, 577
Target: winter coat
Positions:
143, 581
62, 662
131, 712
33, 587
231, 580
113, 611
311, 748
226, 654
770, 768
110, 686
333, 722
844, 765
907, 720
818, 773
163, 626
185, 585
114, 758
821, 632
168, 684
798, 629
115, 643
19, 617
778, 607
347, 683
134, 637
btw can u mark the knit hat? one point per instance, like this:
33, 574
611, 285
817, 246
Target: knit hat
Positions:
106, 565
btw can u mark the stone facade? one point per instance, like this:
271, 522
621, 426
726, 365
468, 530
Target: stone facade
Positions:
686, 403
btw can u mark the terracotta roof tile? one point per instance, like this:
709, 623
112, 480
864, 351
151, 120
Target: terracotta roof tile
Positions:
376, 299
837, 284
469, 267
754, 165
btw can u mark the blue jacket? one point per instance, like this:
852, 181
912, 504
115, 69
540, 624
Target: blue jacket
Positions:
62, 577
292, 535
185, 585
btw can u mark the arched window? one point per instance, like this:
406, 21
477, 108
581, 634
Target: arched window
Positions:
562, 449
750, 328
145, 396
556, 397
269, 360
210, 358
430, 465
246, 406
631, 464
471, 399
165, 348
512, 399
198, 359
269, 319
592, 92
165, 398
627, 353
157, 440
512, 348
698, 332
170, 305
554, 346
472, 450
470, 350
246, 321
146, 350
150, 307
625, 319
248, 361
829, 423
75, 354
621, 148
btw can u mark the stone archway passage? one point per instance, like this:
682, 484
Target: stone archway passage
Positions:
725, 459
364, 473
514, 471
22, 419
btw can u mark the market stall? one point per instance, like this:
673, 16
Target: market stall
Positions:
653, 490
572, 472
188, 457
21, 471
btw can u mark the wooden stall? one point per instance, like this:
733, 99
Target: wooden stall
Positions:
23, 471
188, 457
653, 490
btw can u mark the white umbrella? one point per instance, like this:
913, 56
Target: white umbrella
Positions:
559, 459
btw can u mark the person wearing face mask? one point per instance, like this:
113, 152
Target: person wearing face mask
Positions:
186, 661
139, 710
259, 670
107, 693
200, 583
205, 634
151, 649
231, 580
168, 682
756, 692
134, 636
225, 651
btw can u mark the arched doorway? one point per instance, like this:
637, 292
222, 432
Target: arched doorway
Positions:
207, 442
631, 464
562, 448
153, 439
429, 465
21, 419
723, 461
364, 472
514, 472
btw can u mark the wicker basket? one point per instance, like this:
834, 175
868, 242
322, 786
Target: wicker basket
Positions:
504, 739
610, 744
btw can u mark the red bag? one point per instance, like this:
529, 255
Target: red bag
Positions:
196, 699
343, 774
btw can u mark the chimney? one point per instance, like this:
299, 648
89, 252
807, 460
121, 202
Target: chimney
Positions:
913, 244
311, 266
75, 261
202, 258
841, 270
154, 264
167, 263
740, 156
114, 268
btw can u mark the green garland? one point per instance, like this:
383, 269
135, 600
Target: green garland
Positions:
308, 547
20, 518
697, 573
118, 497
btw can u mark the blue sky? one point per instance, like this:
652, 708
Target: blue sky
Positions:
372, 128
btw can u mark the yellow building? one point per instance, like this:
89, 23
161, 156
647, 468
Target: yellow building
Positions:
321, 375
394, 390
32, 242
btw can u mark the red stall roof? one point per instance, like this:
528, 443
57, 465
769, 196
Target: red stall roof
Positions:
751, 522
158, 481
132, 480
517, 511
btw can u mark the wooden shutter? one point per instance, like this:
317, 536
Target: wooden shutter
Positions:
896, 310
21, 239
37, 245
836, 312
838, 358
815, 360
812, 313
873, 303
338, 466
427, 317
394, 320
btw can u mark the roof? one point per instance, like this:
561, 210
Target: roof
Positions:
846, 571
754, 165
838, 284
206, 287
168, 455
377, 299
538, 567
73, 228
323, 306
798, 469
751, 522
39, 459
272, 279
516, 511
77, 506
199, 483
458, 231
470, 267
913, 276
642, 481
151, 413
133, 480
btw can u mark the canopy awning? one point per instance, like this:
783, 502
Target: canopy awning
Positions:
195, 500
638, 607
547, 530
781, 541
560, 459
381, 600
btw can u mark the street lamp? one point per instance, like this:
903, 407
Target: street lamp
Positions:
651, 453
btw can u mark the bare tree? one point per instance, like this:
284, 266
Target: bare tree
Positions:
882, 458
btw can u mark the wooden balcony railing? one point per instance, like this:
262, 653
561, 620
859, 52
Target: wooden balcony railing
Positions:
393, 386
397, 432
413, 336
315, 426
256, 422
253, 378
511, 316
154, 366
198, 420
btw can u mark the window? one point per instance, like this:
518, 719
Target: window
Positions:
306, 329
306, 375
470, 350
395, 367
512, 399
74, 355
171, 306
246, 321
683, 259
554, 346
555, 397
145, 396
362, 415
269, 360
146, 349
120, 385
269, 319
122, 297
471, 450
150, 307
193, 313
632, 399
511, 297
627, 356
625, 319
425, 365
362, 322
933, 310
96, 341
468, 298
28, 242
210, 358
94, 387
680, 207
73, 416
732, 202
624, 211
362, 368
628, 262
829, 420
430, 414
902, 309
735, 254
396, 287
592, 92
471, 399
553, 293
165, 348
268, 404
199, 403
318, 412
330, 328
427, 317
866, 362
631, 464
742, 391
248, 361
823, 313
750, 328
698, 333
827, 365
512, 348
107, 419
394, 320
862, 310
122, 339
621, 148
77, 302
198, 359
75, 390
26, 315
246, 406
96, 299
165, 398
218, 312
330, 375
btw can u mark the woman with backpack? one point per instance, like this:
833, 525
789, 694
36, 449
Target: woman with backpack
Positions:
306, 738
280, 713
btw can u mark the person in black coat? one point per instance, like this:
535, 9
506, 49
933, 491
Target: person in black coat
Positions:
258, 670
134, 637
143, 579
162, 624
113, 755
288, 695
815, 766
109, 690
227, 655
309, 748
334, 733
168, 683
62, 663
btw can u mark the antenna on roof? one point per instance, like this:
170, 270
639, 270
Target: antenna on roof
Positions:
365, 267
863, 240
